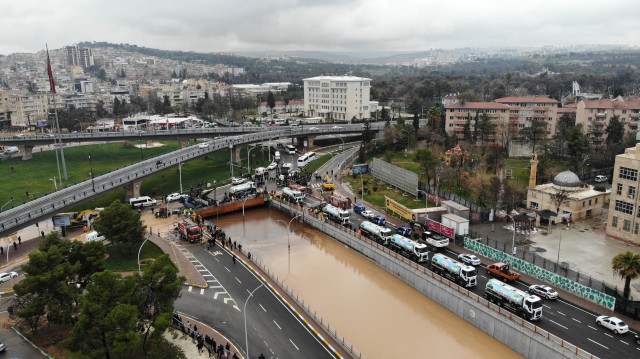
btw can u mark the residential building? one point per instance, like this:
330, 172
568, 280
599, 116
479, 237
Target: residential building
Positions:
337, 97
509, 114
449, 99
23, 108
624, 208
595, 115
80, 56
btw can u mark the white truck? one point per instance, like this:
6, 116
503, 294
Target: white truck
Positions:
377, 233
336, 214
245, 187
453, 270
292, 195
434, 241
514, 300
409, 248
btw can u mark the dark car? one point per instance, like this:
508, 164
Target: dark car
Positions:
359, 208
404, 231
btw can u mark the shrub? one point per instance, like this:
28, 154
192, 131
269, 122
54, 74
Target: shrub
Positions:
127, 144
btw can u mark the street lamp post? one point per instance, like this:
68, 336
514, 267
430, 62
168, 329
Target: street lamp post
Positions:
91, 173
246, 338
560, 241
340, 138
139, 250
180, 173
249, 159
141, 155
231, 159
426, 206
11, 200
362, 184
54, 182
513, 240
288, 224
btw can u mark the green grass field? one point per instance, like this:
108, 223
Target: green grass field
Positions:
33, 175
377, 197
119, 261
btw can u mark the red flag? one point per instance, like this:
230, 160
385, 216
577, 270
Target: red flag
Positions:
52, 85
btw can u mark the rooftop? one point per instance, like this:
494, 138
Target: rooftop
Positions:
536, 99
336, 78
478, 105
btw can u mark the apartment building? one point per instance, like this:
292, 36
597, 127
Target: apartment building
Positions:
624, 207
337, 97
23, 108
80, 56
509, 114
294, 106
595, 115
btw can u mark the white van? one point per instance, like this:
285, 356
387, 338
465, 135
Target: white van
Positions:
11, 150
144, 201
260, 171
93, 236
277, 156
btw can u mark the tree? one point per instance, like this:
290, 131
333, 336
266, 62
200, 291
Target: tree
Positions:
271, 101
416, 122
558, 198
116, 106
626, 266
121, 225
434, 117
428, 163
108, 321
514, 193
467, 131
485, 127
615, 135
577, 145
158, 289
535, 132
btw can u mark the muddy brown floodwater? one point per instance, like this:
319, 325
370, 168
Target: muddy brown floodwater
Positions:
379, 314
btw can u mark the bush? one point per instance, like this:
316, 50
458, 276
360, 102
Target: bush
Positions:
127, 144
375, 188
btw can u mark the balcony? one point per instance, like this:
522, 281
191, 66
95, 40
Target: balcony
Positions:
635, 115
601, 114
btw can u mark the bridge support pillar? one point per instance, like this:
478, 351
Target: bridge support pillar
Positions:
310, 140
132, 190
184, 143
27, 152
235, 154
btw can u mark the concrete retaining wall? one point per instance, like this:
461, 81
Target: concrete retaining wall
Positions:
511, 330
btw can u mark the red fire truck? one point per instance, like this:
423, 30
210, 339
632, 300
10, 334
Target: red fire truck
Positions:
189, 231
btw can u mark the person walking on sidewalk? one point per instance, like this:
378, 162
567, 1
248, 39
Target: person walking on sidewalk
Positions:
19, 240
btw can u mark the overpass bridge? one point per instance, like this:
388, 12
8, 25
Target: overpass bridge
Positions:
26, 143
131, 177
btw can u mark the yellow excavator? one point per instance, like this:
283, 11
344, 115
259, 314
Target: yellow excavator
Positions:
328, 183
83, 217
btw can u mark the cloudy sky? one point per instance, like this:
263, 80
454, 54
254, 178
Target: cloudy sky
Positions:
324, 25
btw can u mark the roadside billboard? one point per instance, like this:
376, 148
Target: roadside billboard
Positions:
396, 207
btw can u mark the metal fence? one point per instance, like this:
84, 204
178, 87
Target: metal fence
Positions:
395, 176
552, 266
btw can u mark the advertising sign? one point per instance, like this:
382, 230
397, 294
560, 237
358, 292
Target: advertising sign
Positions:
399, 209
41, 123
434, 226
447, 231
61, 220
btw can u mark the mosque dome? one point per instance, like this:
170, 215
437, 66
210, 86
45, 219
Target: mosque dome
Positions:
567, 180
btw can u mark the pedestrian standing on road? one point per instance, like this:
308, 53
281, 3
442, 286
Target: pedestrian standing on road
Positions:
235, 245
234, 259
355, 199
19, 240
1, 250
42, 234
188, 327
15, 246
195, 327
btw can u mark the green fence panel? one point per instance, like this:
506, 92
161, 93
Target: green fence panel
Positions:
544, 275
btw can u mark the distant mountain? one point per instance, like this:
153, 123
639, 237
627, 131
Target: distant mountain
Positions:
345, 57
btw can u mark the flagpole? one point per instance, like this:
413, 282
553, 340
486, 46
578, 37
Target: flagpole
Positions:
55, 109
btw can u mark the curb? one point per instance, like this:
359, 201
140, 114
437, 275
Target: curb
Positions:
7, 292
33, 345
196, 285
217, 332
291, 308
14, 262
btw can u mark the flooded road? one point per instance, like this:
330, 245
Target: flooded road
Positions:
379, 314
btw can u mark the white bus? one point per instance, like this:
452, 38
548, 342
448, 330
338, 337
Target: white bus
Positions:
306, 159
290, 149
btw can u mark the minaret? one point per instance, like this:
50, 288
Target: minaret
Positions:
534, 170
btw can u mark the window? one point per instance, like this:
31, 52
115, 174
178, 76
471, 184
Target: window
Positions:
533, 205
623, 207
636, 229
614, 222
632, 192
619, 191
628, 173
626, 225
589, 212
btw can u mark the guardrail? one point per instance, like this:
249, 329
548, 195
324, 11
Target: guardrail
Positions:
566, 348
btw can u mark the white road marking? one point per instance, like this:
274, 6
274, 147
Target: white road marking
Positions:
216, 259
262, 307
201, 291
274, 322
272, 352
483, 276
609, 335
592, 327
190, 288
225, 267
238, 280
546, 306
294, 344
624, 342
560, 325
265, 343
576, 320
593, 341
578, 308
559, 312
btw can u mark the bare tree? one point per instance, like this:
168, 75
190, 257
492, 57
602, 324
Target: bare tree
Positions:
558, 198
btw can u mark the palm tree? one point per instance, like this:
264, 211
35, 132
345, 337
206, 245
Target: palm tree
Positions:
627, 266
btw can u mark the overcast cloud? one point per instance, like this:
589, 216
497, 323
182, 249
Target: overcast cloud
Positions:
322, 25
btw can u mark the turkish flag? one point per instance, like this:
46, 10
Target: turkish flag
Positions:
52, 85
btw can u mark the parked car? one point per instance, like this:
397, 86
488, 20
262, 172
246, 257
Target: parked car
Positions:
272, 166
612, 323
4, 277
601, 178
313, 128
358, 209
637, 339
174, 196
336, 127
379, 220
204, 145
469, 259
544, 291
367, 214
238, 180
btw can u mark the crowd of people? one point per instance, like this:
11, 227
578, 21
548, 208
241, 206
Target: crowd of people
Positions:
203, 342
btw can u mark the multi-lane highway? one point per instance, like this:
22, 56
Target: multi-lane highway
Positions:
272, 329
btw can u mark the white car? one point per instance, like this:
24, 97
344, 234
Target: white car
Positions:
612, 323
272, 166
336, 127
287, 165
601, 178
367, 214
544, 291
174, 196
469, 259
4, 277
313, 128
238, 180
204, 145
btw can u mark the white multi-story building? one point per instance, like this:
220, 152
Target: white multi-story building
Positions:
337, 97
